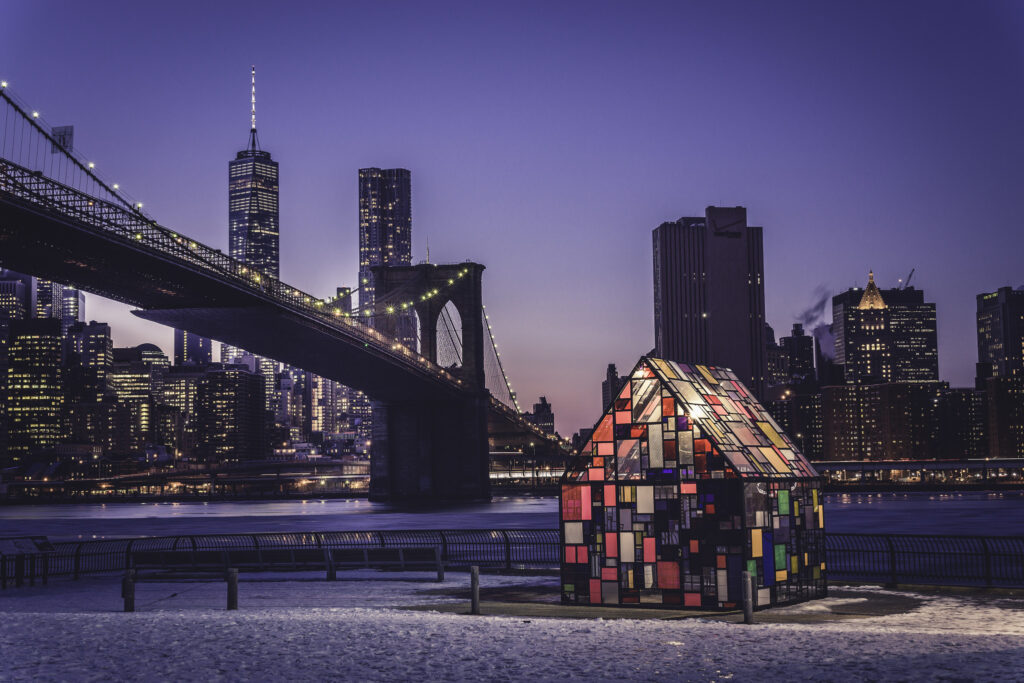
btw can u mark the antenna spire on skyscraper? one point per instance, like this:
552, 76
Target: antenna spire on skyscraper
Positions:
253, 145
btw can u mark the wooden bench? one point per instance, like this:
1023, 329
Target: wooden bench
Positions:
155, 564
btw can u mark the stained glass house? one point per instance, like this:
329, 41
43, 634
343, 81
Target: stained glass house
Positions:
686, 483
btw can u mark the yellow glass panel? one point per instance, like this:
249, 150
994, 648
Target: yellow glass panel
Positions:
707, 375
666, 368
775, 460
821, 518
793, 563
781, 575
756, 546
772, 435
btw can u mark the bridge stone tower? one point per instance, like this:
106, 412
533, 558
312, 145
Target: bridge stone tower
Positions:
433, 450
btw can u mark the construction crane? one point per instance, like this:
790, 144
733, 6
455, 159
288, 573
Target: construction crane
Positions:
907, 282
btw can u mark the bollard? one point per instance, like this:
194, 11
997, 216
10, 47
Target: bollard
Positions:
232, 589
474, 584
440, 564
748, 598
128, 590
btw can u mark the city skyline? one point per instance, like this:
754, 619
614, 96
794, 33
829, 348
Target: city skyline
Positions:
850, 152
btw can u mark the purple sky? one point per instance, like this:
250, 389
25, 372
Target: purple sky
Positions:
546, 140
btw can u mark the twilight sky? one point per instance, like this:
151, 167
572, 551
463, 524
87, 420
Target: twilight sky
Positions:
546, 140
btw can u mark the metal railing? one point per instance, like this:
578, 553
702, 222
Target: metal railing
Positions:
996, 561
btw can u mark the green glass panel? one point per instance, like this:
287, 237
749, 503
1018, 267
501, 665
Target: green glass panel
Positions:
783, 502
780, 557
752, 568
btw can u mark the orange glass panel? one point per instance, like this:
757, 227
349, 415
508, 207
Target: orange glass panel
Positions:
710, 508
720, 561
598, 462
596, 474
688, 487
694, 545
623, 417
638, 432
604, 431
668, 406
606, 448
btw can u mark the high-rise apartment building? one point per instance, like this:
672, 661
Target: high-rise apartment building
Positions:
35, 387
192, 349
885, 335
709, 293
385, 226
1001, 333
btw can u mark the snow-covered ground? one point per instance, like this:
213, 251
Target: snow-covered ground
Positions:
315, 630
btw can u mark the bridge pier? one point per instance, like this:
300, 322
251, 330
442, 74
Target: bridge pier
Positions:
435, 449
430, 450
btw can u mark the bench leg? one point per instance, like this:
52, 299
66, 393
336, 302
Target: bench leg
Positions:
232, 589
128, 590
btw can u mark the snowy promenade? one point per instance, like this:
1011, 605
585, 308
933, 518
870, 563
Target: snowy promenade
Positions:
357, 630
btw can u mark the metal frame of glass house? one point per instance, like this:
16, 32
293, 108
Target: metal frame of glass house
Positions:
686, 483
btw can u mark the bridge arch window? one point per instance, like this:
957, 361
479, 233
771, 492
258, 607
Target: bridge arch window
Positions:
449, 336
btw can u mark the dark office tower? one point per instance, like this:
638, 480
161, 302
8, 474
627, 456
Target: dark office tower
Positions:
798, 349
885, 335
543, 416
610, 386
54, 300
191, 349
1001, 333
232, 420
385, 226
777, 362
35, 387
89, 354
709, 293
252, 203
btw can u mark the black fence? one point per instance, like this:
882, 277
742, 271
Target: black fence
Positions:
873, 558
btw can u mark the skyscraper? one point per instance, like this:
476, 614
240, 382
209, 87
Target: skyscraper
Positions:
709, 293
252, 203
385, 225
35, 387
61, 302
885, 335
610, 386
798, 349
191, 349
1001, 333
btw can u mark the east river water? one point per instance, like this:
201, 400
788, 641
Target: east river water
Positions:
969, 512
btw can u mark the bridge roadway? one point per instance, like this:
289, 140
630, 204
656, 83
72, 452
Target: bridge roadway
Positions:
57, 232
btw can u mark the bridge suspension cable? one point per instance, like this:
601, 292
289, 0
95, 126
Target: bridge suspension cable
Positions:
494, 370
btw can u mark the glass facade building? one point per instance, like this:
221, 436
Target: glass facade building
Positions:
385, 226
685, 483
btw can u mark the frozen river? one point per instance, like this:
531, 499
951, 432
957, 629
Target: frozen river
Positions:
968, 512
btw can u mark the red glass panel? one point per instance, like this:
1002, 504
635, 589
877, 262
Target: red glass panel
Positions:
606, 448
581, 554
691, 599
694, 545
720, 561
609, 495
575, 502
668, 406
669, 449
688, 487
668, 575
612, 541
649, 550
609, 574
570, 554
595, 591
623, 417
596, 474
604, 431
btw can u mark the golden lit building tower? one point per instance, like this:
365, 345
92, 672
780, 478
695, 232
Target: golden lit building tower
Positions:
35, 387
885, 335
